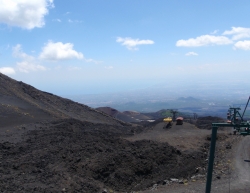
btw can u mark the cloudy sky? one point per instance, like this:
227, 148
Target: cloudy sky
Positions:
95, 46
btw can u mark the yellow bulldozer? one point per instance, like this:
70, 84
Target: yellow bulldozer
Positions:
169, 121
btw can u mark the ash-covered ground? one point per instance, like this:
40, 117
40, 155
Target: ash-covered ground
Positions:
74, 156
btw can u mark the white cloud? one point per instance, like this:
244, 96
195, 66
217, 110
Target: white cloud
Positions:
94, 61
57, 20
191, 54
59, 51
238, 33
27, 66
74, 21
18, 53
28, 62
132, 44
109, 67
244, 45
203, 41
7, 70
26, 14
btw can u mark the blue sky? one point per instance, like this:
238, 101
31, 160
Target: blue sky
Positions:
93, 46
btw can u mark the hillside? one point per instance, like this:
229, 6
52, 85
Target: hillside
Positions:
25, 104
52, 144
126, 116
117, 114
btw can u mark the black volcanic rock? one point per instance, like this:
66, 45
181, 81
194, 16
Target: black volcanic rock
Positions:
79, 156
206, 122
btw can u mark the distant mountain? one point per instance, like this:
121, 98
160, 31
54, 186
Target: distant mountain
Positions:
22, 103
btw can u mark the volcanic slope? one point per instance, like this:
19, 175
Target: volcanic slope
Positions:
52, 144
126, 116
21, 103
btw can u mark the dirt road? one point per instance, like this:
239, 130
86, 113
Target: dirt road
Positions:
242, 166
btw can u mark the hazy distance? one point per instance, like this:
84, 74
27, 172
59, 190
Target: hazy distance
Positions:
204, 98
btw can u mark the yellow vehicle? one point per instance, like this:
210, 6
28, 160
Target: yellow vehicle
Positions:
169, 121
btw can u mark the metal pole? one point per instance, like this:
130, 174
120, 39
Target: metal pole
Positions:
235, 115
245, 108
211, 159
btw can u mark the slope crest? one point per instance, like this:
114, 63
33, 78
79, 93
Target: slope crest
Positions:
23, 101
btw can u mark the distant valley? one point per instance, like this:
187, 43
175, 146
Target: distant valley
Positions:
203, 100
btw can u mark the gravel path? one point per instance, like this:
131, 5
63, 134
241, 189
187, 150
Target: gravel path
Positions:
237, 181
